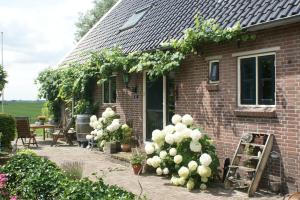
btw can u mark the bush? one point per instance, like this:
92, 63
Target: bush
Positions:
32, 177
8, 129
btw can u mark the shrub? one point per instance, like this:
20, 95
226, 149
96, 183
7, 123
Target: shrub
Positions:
27, 151
35, 178
8, 129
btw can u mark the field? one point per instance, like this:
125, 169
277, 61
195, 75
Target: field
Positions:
29, 109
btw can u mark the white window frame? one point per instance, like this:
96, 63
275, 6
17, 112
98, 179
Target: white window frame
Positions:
256, 79
209, 70
109, 94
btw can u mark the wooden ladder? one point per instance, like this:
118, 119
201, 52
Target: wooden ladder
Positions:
248, 164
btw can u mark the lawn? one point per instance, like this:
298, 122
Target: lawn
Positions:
29, 109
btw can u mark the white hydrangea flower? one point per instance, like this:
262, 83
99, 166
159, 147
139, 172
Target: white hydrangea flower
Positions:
176, 119
177, 159
205, 159
204, 179
159, 171
169, 129
181, 181
149, 148
108, 113
99, 133
98, 125
102, 143
125, 127
156, 161
116, 121
101, 119
172, 152
165, 171
187, 120
89, 137
203, 186
97, 137
175, 180
169, 138
163, 154
204, 171
190, 184
180, 127
156, 135
183, 172
149, 161
195, 146
192, 165
93, 118
196, 135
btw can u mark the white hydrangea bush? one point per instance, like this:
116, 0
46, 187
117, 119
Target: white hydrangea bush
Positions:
184, 153
108, 128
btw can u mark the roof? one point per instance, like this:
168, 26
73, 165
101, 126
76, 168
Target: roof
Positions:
167, 19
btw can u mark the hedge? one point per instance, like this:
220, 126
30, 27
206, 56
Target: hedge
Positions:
8, 130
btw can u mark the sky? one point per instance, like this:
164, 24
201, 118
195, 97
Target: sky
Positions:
37, 35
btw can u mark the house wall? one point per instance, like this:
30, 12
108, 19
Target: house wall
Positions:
214, 110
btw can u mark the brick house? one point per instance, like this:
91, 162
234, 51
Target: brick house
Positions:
228, 88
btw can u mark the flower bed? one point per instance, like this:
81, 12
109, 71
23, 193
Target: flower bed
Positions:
184, 153
30, 177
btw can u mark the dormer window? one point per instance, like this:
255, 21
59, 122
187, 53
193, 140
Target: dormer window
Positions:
135, 18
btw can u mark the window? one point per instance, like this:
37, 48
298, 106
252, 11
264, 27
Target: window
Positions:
213, 71
257, 80
109, 90
134, 19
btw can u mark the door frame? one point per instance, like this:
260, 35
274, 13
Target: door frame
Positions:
145, 104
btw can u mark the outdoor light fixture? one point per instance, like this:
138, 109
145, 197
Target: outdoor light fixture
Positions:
126, 79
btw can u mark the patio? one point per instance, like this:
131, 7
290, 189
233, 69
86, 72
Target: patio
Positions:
119, 173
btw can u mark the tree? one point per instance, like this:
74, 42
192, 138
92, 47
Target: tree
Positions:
3, 76
87, 20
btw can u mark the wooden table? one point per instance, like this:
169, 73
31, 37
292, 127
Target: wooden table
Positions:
44, 126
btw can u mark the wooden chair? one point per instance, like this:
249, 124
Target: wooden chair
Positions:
24, 132
63, 133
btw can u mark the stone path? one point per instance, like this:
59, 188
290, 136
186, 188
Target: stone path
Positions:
115, 173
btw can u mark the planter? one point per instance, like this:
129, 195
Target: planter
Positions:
126, 147
110, 147
137, 169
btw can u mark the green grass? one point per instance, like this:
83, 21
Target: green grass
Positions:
30, 109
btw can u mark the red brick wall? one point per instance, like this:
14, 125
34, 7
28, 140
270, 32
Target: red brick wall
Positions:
214, 110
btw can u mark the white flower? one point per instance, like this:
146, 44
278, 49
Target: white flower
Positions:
187, 120
172, 152
204, 179
165, 171
97, 137
149, 161
156, 161
169, 129
163, 154
179, 127
177, 159
205, 159
169, 138
102, 143
149, 148
192, 165
125, 127
98, 125
196, 135
176, 119
108, 113
157, 136
183, 172
93, 118
195, 146
99, 133
175, 180
203, 186
204, 171
89, 137
159, 171
181, 181
190, 184
101, 119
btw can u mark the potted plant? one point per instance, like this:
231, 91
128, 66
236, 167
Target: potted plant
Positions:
126, 138
41, 119
137, 161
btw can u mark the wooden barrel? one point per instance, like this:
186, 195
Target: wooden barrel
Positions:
83, 127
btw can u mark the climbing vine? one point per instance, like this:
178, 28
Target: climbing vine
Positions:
76, 81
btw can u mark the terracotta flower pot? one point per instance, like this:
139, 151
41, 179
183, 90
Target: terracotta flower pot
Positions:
126, 147
137, 168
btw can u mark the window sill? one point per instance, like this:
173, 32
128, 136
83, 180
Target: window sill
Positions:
266, 112
211, 87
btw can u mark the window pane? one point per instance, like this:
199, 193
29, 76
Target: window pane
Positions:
248, 81
113, 89
106, 92
266, 87
214, 71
